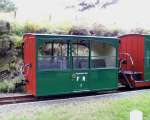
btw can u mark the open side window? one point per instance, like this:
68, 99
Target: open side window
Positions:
53, 56
80, 54
102, 55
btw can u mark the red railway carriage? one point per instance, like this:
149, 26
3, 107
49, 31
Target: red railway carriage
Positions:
134, 60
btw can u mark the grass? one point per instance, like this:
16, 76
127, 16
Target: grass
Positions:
103, 109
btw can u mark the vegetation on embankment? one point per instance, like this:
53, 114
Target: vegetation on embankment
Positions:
9, 85
11, 41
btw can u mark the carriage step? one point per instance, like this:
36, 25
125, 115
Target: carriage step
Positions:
142, 83
137, 76
129, 72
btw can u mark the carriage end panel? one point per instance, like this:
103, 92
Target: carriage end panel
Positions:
30, 59
134, 45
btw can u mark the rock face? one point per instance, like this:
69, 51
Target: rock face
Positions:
5, 44
4, 27
5, 41
6, 48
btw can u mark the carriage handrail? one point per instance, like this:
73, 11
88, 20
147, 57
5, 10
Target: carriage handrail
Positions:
23, 69
131, 59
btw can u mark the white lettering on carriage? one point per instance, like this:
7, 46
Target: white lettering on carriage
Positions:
83, 78
85, 73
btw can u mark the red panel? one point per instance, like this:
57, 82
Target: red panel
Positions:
30, 58
134, 45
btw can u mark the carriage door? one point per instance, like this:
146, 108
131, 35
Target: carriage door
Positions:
147, 59
80, 65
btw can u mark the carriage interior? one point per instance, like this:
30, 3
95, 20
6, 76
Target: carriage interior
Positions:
78, 54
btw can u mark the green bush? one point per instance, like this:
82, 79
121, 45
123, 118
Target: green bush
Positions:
31, 27
9, 85
17, 40
3, 87
17, 28
65, 26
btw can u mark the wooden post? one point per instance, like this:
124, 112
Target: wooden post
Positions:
136, 115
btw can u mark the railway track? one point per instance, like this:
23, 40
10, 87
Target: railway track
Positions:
16, 99
30, 98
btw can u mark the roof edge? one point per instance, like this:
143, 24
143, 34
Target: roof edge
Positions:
67, 35
130, 35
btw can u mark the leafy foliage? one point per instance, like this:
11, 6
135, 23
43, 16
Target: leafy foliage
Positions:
7, 6
83, 5
76, 30
17, 40
17, 28
4, 27
97, 29
9, 85
139, 31
30, 27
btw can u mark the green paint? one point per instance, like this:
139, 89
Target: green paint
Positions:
147, 58
103, 79
52, 82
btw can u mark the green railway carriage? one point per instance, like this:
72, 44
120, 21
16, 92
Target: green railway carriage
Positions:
62, 64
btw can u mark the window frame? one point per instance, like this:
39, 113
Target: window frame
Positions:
67, 57
92, 68
68, 41
72, 57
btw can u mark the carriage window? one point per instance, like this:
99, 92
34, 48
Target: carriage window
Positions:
80, 53
53, 56
102, 55
147, 58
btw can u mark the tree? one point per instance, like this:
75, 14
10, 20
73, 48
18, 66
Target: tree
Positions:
84, 5
7, 6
